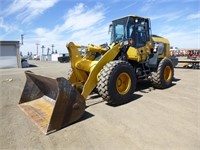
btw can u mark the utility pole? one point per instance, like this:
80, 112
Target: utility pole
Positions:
48, 49
21, 43
52, 48
37, 47
42, 49
22, 38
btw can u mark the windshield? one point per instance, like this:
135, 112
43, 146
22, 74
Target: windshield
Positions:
134, 28
119, 29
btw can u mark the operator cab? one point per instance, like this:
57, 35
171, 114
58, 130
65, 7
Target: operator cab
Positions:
133, 29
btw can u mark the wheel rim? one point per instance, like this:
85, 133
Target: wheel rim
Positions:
123, 83
167, 73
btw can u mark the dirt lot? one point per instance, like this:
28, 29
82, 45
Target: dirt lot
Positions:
154, 120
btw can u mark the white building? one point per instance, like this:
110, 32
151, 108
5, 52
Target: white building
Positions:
10, 54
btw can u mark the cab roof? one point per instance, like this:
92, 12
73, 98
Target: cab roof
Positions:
133, 16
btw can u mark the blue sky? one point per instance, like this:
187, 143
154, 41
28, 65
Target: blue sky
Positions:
57, 22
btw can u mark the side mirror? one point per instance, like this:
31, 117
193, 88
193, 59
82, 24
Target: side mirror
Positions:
159, 48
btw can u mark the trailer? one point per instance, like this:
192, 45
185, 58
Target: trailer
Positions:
195, 64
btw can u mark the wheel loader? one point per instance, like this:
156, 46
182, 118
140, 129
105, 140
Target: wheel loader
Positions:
110, 70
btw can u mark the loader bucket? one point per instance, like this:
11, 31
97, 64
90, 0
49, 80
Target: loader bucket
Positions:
51, 103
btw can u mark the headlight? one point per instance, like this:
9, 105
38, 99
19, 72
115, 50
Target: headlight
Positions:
126, 42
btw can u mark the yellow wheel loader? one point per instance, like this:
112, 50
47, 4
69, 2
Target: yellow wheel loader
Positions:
112, 70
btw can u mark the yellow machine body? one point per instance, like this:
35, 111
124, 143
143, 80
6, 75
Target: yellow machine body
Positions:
85, 69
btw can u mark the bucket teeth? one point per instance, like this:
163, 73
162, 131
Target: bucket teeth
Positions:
51, 103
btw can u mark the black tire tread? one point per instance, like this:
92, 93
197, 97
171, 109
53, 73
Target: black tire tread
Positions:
156, 76
103, 79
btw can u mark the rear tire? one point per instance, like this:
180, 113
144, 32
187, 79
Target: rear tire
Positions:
164, 75
117, 82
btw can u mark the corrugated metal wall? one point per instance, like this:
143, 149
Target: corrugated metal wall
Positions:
9, 54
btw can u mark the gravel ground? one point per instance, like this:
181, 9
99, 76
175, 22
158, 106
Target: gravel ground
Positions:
153, 120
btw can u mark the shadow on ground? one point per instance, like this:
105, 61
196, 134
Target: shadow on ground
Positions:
175, 80
143, 85
31, 66
134, 98
84, 117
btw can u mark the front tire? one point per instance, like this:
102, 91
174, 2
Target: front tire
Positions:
164, 75
117, 82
